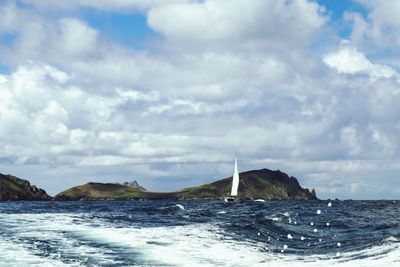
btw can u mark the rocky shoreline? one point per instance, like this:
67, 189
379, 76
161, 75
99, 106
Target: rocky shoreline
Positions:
255, 184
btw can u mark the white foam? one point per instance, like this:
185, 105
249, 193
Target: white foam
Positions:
180, 206
15, 254
189, 245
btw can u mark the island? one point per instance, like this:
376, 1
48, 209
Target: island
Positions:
255, 184
14, 188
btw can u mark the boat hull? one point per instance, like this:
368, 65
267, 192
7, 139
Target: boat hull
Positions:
229, 199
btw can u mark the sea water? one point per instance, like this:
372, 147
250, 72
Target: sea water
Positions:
200, 233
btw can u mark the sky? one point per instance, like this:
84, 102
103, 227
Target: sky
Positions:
167, 92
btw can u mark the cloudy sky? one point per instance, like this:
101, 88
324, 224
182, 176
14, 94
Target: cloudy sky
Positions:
166, 92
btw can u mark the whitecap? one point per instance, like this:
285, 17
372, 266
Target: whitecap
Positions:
189, 245
180, 206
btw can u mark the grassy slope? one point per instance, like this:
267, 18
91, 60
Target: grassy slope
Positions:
108, 191
263, 183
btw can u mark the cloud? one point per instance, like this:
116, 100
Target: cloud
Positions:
383, 16
360, 26
377, 30
109, 5
9, 18
73, 30
349, 60
172, 115
252, 24
61, 117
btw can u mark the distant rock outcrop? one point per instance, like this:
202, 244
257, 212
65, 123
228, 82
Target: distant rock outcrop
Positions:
134, 185
14, 188
313, 193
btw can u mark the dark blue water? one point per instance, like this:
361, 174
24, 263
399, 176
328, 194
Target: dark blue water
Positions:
200, 233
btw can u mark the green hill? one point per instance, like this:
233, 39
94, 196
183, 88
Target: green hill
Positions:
263, 183
14, 188
108, 191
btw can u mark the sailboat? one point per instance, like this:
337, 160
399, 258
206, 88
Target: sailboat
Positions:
235, 184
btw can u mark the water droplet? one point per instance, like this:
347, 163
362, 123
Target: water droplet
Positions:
315, 230
311, 223
339, 244
289, 236
285, 247
320, 240
258, 233
330, 204
302, 238
318, 211
327, 224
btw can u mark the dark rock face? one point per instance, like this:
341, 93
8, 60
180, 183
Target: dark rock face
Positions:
14, 188
134, 185
313, 193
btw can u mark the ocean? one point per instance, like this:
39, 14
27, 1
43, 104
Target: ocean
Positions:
200, 233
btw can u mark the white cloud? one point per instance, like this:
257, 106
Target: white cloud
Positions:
114, 5
56, 113
77, 38
383, 15
250, 83
9, 18
360, 26
348, 136
378, 29
349, 60
252, 24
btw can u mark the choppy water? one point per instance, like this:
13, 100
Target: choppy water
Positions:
200, 233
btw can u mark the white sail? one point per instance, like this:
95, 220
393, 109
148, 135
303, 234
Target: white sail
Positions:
235, 180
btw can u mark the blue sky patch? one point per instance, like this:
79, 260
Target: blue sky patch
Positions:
7, 38
4, 69
336, 10
129, 29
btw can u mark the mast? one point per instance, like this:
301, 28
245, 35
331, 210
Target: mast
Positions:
235, 180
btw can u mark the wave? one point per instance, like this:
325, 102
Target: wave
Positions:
80, 239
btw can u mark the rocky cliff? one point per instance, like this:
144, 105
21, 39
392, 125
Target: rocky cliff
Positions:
264, 183
14, 188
